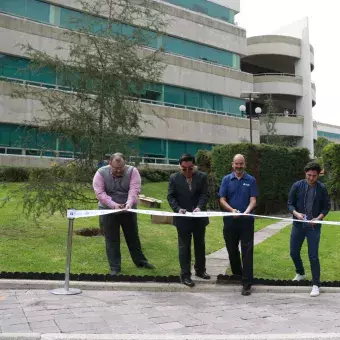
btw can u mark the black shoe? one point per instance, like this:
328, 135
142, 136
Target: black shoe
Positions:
146, 265
246, 291
203, 275
114, 272
187, 281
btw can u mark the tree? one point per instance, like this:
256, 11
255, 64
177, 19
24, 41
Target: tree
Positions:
319, 145
269, 118
101, 70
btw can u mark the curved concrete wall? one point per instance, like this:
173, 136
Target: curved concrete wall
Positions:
269, 44
278, 84
277, 44
285, 126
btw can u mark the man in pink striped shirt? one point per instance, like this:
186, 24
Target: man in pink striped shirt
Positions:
117, 186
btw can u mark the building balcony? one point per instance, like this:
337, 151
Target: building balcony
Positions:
278, 45
278, 83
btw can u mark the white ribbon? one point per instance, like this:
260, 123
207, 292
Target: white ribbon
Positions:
72, 213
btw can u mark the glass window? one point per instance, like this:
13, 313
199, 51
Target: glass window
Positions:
152, 147
173, 95
5, 135
207, 101
43, 75
192, 98
73, 19
14, 67
16, 7
54, 15
65, 144
234, 105
176, 149
37, 10
46, 140
206, 7
218, 103
172, 45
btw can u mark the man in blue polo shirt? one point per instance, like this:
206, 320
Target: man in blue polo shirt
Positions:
238, 193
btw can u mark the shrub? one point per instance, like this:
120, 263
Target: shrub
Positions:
14, 174
203, 160
331, 159
155, 175
275, 168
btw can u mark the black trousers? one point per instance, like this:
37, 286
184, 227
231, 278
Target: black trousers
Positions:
238, 230
185, 233
112, 223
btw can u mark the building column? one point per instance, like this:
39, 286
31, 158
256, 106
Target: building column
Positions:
304, 104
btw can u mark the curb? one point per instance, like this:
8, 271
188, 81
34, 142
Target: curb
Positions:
155, 287
37, 336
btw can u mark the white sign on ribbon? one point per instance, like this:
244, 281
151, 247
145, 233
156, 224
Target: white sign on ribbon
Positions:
72, 213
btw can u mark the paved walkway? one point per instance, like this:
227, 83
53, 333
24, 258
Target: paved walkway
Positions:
218, 262
190, 312
136, 311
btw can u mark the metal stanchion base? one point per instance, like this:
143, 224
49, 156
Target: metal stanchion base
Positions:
63, 291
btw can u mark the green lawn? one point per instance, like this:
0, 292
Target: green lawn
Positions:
27, 246
272, 260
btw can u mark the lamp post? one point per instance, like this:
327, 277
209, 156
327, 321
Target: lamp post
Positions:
250, 96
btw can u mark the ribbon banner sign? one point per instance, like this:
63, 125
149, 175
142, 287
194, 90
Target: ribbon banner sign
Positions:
71, 214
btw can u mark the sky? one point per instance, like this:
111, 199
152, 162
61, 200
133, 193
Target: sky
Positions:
266, 16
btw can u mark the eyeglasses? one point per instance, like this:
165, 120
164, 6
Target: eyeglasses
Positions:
187, 169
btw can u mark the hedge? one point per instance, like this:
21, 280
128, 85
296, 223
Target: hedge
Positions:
14, 174
19, 174
331, 160
203, 160
275, 169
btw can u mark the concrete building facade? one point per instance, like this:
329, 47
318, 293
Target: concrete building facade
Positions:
209, 63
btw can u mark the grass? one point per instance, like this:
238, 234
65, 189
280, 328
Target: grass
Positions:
272, 259
30, 247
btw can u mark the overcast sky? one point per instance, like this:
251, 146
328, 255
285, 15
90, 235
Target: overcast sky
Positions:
266, 16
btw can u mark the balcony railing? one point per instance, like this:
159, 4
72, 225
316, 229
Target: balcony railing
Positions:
42, 153
142, 100
69, 155
278, 74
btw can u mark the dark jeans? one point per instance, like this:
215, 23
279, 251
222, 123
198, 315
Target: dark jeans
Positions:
297, 238
238, 230
112, 223
185, 234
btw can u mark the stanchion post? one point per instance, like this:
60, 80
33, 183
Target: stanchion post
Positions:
66, 290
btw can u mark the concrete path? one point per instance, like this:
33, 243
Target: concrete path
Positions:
190, 312
218, 262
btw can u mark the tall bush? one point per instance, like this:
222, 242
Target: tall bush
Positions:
331, 159
275, 168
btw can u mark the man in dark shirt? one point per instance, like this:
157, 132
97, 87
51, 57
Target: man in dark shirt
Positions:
238, 193
308, 200
188, 192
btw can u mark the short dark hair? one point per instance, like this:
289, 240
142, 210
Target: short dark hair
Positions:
187, 158
313, 166
117, 155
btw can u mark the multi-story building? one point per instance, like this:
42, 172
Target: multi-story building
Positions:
209, 64
329, 131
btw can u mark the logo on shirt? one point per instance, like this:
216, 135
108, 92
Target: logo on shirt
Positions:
246, 184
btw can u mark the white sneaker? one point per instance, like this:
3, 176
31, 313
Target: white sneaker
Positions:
315, 291
299, 277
